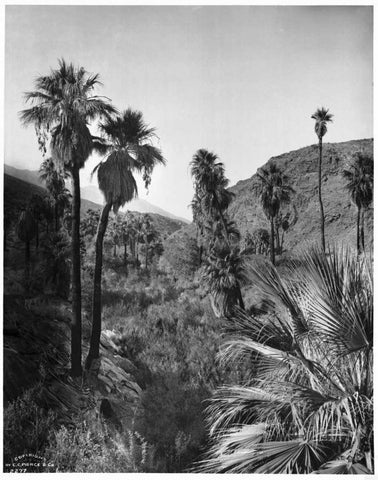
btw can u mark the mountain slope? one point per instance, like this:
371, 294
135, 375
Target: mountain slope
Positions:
301, 166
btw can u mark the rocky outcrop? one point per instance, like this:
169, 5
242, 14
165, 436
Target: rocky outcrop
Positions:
36, 353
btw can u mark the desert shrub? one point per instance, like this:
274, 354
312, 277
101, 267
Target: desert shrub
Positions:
26, 426
181, 254
179, 337
92, 447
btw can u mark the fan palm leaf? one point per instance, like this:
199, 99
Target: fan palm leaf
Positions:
311, 387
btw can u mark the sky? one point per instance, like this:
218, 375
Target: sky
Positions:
241, 81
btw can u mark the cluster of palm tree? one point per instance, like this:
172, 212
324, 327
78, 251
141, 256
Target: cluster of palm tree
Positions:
133, 231
223, 265
64, 107
309, 406
274, 192
32, 219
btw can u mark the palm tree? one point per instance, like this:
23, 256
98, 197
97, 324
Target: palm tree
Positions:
64, 105
321, 117
274, 192
210, 186
360, 179
130, 150
309, 405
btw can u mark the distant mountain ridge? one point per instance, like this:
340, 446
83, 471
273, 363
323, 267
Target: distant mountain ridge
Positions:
17, 194
93, 194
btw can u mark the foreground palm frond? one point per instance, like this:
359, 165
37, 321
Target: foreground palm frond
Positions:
310, 359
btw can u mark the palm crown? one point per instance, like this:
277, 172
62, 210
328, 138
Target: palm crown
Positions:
321, 117
128, 143
309, 406
360, 180
274, 190
211, 183
63, 107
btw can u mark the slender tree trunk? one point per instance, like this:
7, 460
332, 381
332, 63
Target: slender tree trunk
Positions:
320, 194
146, 255
363, 228
272, 258
76, 369
94, 349
358, 230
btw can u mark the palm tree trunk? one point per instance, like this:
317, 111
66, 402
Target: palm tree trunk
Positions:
94, 349
320, 194
272, 258
358, 229
76, 369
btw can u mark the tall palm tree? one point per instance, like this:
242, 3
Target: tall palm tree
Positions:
274, 192
309, 404
129, 146
211, 185
63, 107
360, 177
321, 117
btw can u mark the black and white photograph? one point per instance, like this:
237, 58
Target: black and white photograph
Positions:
188, 239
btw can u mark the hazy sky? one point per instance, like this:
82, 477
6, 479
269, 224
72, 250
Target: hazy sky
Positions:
240, 81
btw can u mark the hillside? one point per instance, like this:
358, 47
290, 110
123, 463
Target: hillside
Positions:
300, 166
17, 194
